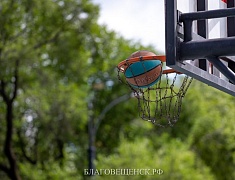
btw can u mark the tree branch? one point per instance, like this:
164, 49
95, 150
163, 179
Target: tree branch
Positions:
8, 150
22, 145
4, 168
60, 146
12, 171
16, 81
52, 39
3, 92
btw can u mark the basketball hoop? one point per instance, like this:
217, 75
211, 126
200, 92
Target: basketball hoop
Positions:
159, 99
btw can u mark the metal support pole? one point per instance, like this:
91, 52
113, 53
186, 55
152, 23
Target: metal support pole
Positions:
91, 139
210, 47
231, 20
219, 13
231, 30
187, 19
93, 126
170, 31
202, 30
222, 68
91, 159
188, 34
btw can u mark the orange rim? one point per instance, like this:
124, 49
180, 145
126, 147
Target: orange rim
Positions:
124, 64
168, 71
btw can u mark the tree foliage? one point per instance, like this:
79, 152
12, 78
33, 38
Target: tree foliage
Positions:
212, 134
199, 146
173, 157
52, 53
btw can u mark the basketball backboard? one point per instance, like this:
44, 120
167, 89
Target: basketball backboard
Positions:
197, 42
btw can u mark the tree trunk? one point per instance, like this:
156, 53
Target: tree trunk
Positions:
11, 170
8, 150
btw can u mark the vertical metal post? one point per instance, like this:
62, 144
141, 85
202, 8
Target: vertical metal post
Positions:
171, 31
188, 34
91, 139
202, 29
231, 29
231, 20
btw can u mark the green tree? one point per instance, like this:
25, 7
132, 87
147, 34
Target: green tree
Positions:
173, 157
55, 61
52, 53
199, 146
30, 92
213, 129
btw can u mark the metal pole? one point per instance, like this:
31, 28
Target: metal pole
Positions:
231, 30
171, 31
93, 125
219, 13
113, 103
210, 47
222, 68
91, 139
202, 29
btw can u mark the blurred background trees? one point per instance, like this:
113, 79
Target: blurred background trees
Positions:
58, 70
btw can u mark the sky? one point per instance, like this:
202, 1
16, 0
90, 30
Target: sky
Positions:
141, 20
